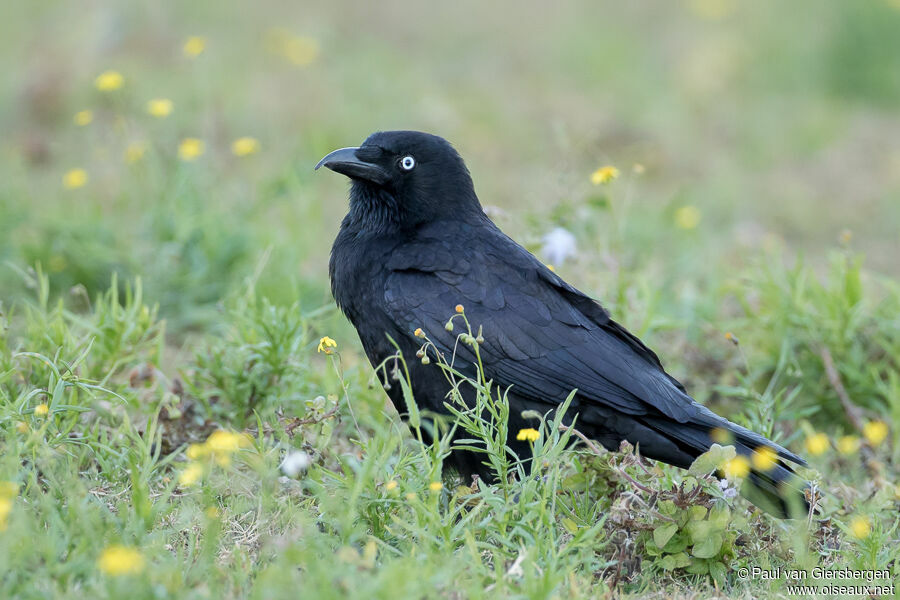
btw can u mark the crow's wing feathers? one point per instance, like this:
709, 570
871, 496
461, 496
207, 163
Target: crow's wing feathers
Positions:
542, 336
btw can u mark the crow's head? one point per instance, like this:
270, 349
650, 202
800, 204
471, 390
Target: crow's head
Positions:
404, 178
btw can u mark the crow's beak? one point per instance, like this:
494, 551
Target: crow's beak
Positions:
347, 162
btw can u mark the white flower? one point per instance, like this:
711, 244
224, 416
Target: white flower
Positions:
295, 462
728, 490
559, 245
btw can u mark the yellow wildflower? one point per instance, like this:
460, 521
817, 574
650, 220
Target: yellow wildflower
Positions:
226, 441
860, 527
220, 445
6, 506
687, 217
419, 333
301, 50
817, 444
213, 512
160, 107
391, 485
528, 434
848, 444
737, 468
459, 308
194, 46
135, 152
121, 560
74, 179
9, 489
875, 432
326, 345
196, 451
190, 149
764, 458
21, 426
721, 436
245, 146
410, 496
41, 410
109, 81
604, 175
83, 117
191, 474
435, 486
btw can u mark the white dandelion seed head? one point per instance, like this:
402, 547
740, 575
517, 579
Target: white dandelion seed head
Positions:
559, 245
295, 462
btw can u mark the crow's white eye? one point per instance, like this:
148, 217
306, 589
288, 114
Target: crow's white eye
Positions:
407, 163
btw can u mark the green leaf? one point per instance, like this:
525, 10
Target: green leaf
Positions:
663, 533
690, 484
712, 459
678, 543
709, 546
853, 283
698, 567
698, 530
717, 571
675, 561
667, 508
412, 408
698, 513
570, 525
718, 517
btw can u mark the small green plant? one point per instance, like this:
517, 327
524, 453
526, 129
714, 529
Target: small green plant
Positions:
796, 325
259, 361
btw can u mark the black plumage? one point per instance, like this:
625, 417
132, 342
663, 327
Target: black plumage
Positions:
416, 242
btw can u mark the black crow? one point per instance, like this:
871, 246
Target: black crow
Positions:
416, 243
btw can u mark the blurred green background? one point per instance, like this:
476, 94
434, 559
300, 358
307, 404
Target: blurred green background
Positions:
164, 245
777, 121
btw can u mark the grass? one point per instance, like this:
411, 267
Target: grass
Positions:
749, 237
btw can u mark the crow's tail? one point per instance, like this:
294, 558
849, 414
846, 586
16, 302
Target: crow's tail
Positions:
779, 491
776, 489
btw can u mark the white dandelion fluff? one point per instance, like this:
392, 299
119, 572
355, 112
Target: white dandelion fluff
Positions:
295, 462
559, 245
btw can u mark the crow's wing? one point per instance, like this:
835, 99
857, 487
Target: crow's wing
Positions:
542, 336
